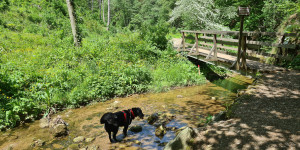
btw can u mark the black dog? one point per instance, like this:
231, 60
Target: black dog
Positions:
113, 121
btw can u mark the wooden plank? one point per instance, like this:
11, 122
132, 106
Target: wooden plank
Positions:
215, 46
197, 42
219, 46
192, 49
292, 46
252, 54
244, 47
244, 33
227, 41
236, 65
251, 44
211, 50
271, 34
233, 54
212, 32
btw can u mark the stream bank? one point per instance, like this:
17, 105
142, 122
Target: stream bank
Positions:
189, 105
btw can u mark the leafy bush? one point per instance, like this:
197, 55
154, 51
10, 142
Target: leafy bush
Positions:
35, 18
156, 34
295, 64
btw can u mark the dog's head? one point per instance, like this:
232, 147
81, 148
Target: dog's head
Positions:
138, 112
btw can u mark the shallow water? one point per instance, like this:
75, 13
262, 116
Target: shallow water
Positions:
193, 104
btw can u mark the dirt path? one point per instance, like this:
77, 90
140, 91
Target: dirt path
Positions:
268, 117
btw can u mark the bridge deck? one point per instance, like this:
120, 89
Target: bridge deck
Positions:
252, 65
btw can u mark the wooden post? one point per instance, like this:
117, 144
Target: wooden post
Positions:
215, 46
237, 65
197, 41
244, 47
222, 36
183, 43
243, 11
280, 49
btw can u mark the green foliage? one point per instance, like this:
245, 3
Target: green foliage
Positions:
4, 5
40, 68
69, 77
156, 34
174, 71
264, 15
201, 14
295, 64
275, 11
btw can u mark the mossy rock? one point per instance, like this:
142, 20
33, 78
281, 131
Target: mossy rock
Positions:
136, 128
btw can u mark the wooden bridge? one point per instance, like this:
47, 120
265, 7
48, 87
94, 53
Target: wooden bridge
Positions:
224, 46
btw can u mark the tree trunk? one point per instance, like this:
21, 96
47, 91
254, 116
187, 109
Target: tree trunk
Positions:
108, 14
92, 5
103, 15
100, 2
73, 22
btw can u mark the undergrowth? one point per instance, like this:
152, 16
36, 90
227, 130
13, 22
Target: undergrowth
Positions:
40, 68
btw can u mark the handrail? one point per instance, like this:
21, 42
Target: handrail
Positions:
244, 33
235, 42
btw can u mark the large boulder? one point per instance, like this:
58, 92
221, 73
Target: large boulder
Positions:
58, 127
59, 130
182, 141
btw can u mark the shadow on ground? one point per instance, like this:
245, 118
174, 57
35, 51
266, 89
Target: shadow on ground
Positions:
267, 119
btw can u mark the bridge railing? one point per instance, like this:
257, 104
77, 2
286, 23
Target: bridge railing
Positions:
219, 41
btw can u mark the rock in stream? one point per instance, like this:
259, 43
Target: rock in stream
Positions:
58, 127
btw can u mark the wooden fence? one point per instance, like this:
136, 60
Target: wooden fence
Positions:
223, 42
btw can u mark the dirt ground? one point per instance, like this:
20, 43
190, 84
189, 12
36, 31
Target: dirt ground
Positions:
266, 117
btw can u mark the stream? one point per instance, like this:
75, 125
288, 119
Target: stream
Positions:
188, 104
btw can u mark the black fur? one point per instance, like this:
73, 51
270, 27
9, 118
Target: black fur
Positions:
113, 121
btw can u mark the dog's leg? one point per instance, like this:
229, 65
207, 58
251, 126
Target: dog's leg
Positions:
115, 131
115, 136
125, 130
109, 135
